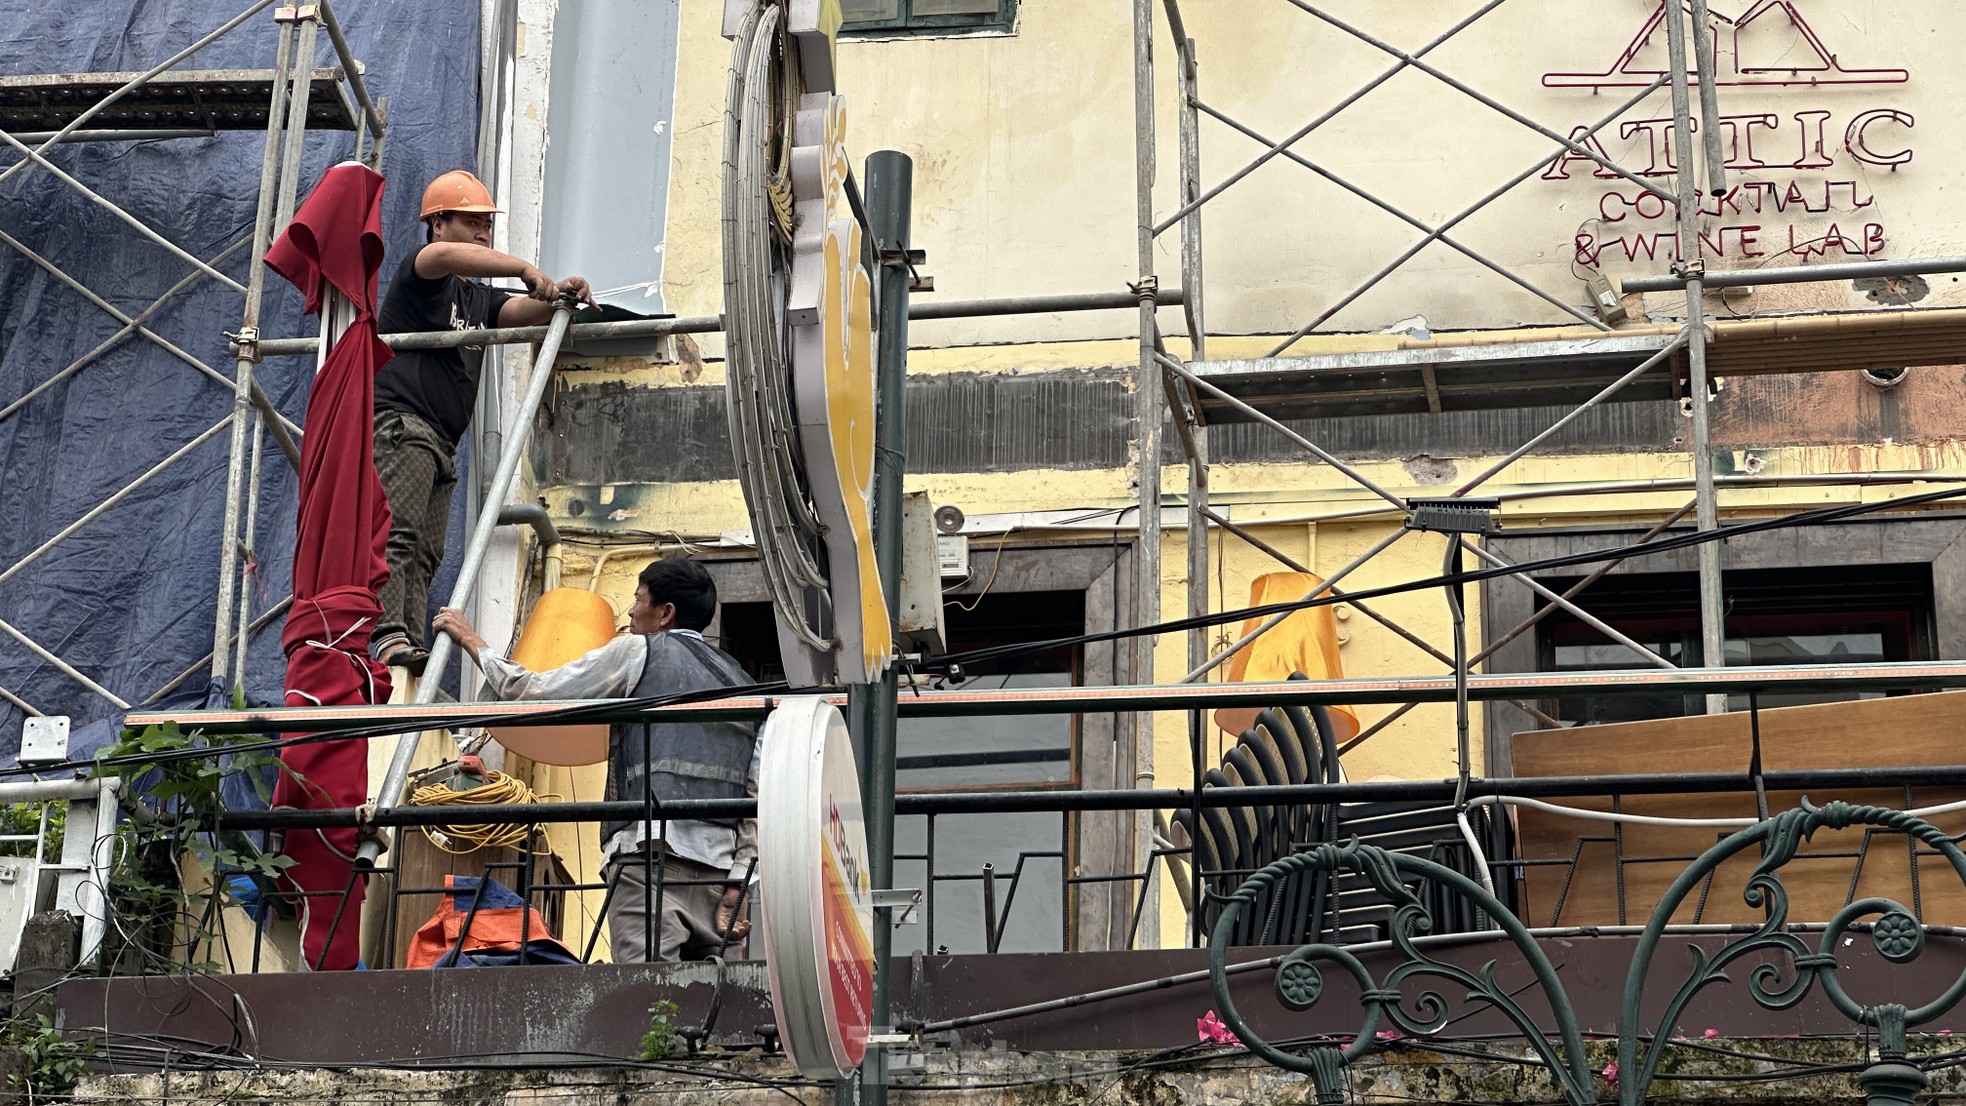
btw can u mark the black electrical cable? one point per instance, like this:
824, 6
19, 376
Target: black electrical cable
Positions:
581, 712
1818, 517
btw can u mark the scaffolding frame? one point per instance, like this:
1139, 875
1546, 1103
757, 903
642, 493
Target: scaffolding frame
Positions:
1166, 387
291, 84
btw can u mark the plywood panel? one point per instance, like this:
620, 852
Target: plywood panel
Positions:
1895, 732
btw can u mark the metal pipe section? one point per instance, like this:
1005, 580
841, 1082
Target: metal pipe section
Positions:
710, 324
1803, 274
297, 98
116, 136
441, 646
890, 208
62, 666
1604, 487
1149, 410
534, 515
1688, 265
1043, 305
1194, 436
246, 545
351, 69
1703, 63
269, 168
1215, 798
1894, 676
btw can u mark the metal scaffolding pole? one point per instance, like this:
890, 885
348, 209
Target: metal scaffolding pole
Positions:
115, 497
441, 647
1194, 435
139, 80
1690, 267
259, 398
109, 343
1803, 274
1456, 220
1188, 206
1271, 622
711, 324
1096, 699
1136, 763
295, 54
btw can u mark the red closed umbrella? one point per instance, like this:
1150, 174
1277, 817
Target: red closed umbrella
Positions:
331, 252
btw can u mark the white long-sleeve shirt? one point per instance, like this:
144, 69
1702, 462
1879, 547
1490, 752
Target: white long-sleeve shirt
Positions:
611, 672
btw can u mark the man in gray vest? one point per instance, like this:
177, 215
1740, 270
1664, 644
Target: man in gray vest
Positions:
696, 869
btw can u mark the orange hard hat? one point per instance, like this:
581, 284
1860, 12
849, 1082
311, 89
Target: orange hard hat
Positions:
456, 190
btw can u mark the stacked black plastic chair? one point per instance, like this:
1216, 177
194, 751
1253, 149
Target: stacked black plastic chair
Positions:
1296, 745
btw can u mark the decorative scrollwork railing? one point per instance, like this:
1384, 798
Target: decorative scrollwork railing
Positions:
1897, 936
1300, 982
1778, 985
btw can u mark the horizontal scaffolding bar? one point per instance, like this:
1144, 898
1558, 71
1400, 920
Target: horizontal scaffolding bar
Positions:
1171, 798
1042, 305
707, 324
1801, 274
1100, 700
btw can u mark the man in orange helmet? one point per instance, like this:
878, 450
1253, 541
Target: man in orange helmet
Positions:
424, 398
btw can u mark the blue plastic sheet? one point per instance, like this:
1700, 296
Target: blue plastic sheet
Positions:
129, 599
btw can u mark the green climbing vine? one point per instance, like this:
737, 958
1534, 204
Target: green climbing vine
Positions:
50, 1061
160, 921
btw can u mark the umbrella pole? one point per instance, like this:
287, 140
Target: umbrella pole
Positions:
467, 576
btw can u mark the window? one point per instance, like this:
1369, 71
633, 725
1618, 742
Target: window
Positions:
1847, 615
926, 16
1027, 856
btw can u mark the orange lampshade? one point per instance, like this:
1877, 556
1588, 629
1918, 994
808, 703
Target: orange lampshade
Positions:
1306, 642
565, 624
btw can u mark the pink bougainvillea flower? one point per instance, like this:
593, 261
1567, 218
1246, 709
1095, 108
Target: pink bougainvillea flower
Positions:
1212, 1031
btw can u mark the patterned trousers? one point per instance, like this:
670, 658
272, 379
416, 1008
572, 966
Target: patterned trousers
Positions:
418, 467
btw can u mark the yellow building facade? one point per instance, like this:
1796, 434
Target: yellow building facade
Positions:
1025, 143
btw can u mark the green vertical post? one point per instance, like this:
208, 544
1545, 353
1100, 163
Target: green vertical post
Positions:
890, 204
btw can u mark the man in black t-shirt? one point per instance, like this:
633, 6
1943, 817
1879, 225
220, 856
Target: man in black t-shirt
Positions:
424, 398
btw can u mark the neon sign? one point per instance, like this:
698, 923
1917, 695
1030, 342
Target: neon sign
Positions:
1809, 169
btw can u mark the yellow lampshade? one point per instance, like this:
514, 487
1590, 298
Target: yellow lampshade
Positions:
566, 623
1306, 641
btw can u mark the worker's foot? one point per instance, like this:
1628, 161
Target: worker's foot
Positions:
407, 656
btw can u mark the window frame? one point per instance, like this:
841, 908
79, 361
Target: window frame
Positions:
1003, 21
1937, 539
1893, 600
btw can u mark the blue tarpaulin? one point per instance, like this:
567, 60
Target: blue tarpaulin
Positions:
129, 599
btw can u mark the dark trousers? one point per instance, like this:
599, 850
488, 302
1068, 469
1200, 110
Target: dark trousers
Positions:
418, 468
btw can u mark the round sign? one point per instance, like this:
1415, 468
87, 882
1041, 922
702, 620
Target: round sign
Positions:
817, 906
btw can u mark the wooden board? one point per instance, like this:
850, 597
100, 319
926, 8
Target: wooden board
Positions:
1893, 732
